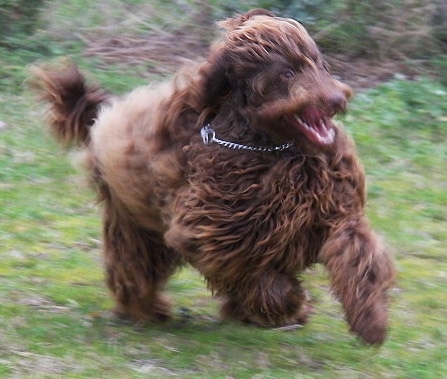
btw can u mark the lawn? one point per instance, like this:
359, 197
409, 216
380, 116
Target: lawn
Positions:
55, 318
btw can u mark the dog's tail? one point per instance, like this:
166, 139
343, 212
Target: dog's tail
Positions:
73, 105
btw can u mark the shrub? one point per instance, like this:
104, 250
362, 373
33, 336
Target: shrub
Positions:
384, 29
387, 29
19, 17
440, 66
306, 11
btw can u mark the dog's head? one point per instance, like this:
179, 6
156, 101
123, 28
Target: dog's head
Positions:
273, 72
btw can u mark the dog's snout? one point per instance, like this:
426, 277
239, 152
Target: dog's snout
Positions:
337, 101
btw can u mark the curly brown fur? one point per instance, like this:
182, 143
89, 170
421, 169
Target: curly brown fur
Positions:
249, 221
74, 104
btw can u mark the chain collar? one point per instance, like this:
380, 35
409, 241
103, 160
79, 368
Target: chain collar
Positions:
209, 137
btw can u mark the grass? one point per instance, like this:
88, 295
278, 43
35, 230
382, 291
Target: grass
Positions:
55, 316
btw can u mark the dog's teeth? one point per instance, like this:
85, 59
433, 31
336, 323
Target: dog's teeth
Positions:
320, 128
329, 138
301, 121
306, 125
323, 125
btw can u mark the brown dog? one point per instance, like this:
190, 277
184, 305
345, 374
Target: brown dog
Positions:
236, 167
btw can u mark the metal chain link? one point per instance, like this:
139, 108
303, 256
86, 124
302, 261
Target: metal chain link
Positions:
209, 136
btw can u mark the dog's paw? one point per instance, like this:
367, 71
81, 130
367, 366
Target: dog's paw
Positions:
303, 314
371, 326
156, 310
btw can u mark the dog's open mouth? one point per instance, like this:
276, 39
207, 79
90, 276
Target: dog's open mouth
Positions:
314, 124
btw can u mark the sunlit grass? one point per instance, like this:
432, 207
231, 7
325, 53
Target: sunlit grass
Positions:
55, 310
55, 317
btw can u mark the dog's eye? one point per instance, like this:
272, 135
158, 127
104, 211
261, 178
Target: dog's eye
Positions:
289, 74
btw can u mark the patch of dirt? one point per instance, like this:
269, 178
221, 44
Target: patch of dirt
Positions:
363, 73
42, 304
3, 126
36, 365
162, 52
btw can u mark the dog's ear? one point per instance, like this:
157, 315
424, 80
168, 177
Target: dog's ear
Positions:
218, 73
217, 82
238, 20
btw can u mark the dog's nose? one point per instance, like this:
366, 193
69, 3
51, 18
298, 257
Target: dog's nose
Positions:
337, 101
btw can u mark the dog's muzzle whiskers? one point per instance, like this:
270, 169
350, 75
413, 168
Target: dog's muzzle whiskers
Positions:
209, 137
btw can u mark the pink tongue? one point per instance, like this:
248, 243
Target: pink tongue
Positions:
313, 117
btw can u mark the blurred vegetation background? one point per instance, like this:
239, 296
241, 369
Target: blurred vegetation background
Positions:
370, 40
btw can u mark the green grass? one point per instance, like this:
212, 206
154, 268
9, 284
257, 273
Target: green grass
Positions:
55, 318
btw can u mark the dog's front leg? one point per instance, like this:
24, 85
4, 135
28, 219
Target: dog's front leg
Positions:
361, 272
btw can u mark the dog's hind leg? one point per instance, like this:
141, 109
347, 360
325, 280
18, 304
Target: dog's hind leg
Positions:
269, 299
138, 265
361, 273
